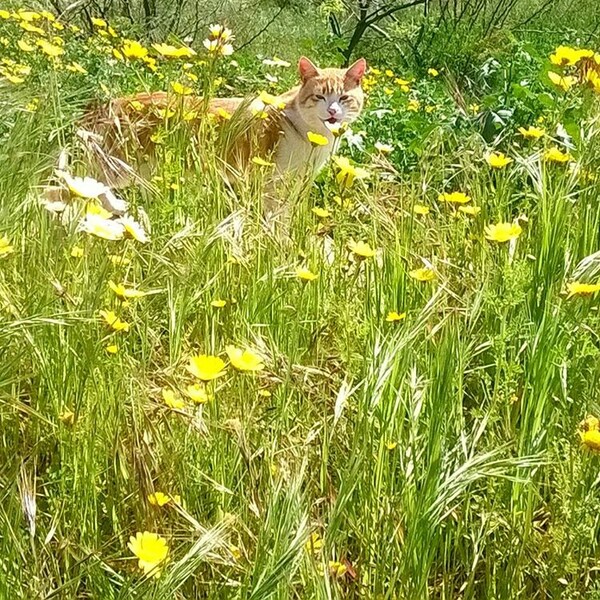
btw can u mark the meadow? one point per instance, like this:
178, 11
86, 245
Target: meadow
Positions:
400, 402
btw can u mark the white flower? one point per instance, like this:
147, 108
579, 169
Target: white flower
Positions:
133, 229
101, 227
275, 62
85, 187
112, 203
355, 140
384, 148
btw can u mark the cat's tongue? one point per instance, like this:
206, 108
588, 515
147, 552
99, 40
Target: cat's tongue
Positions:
332, 120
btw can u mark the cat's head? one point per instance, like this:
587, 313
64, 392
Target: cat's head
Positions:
330, 96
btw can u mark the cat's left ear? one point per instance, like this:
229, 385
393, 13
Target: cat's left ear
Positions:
356, 71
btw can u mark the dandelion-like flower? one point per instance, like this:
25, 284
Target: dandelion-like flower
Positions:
125, 293
532, 133
555, 155
151, 550
564, 83
454, 198
576, 288
361, 250
133, 229
497, 160
206, 367
179, 88
305, 274
133, 49
422, 274
470, 210
383, 148
420, 209
322, 213
113, 321
162, 499
316, 139
6, 247
244, 360
169, 51
198, 394
566, 56
347, 172
394, 316
502, 232
102, 227
172, 400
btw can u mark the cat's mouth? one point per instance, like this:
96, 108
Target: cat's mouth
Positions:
333, 120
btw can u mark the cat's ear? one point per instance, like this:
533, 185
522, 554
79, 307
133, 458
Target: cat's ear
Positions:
356, 71
307, 69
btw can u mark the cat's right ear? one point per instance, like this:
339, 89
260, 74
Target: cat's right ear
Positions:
307, 69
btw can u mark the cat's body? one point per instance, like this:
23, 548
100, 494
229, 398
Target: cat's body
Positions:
126, 126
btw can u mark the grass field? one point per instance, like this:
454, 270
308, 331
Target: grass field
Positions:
399, 403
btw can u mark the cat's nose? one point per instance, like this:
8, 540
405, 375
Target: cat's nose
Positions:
332, 110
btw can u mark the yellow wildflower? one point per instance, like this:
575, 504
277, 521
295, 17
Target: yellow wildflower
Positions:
112, 348
454, 198
497, 160
576, 288
422, 274
172, 400
337, 569
361, 250
502, 232
75, 67
564, 83
206, 367
261, 162
133, 49
133, 229
151, 550
391, 445
413, 105
566, 56
76, 252
50, 49
314, 544
6, 247
169, 51
113, 321
181, 89
322, 213
305, 274
31, 28
218, 303
590, 439
244, 360
394, 316
161, 499
420, 209
316, 139
473, 211
67, 417
99, 22
101, 227
198, 394
433, 72
23, 45
125, 293
532, 133
553, 154
347, 172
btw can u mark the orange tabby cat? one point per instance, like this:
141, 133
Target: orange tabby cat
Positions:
325, 98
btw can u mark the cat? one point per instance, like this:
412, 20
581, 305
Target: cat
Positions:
325, 99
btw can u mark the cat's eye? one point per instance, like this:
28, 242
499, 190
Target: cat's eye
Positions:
344, 97
319, 97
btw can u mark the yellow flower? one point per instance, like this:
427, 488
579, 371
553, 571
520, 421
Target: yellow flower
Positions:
347, 172
198, 394
564, 83
117, 54
31, 28
361, 250
102, 227
454, 198
5, 247
470, 210
532, 133
67, 417
172, 52
394, 316
99, 22
322, 213
218, 303
50, 49
133, 229
422, 274
589, 423
590, 439
4, 14
503, 232
206, 367
150, 549
119, 261
413, 105
257, 160
133, 49
316, 139
497, 160
160, 499
113, 321
112, 348
384, 148
391, 445
567, 56
576, 288
337, 569
125, 293
433, 72
419, 209
555, 155
23, 45
305, 274
244, 360
76, 252
314, 544
270, 100
171, 400
474, 108
181, 89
